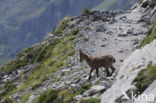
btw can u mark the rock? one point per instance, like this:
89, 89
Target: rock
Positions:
31, 98
78, 97
49, 35
88, 93
98, 88
152, 2
112, 20
130, 31
66, 70
122, 35
123, 18
144, 18
75, 85
103, 45
100, 28
121, 60
145, 3
96, 96
121, 51
129, 70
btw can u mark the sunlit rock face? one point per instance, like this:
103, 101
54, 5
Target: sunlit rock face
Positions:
128, 71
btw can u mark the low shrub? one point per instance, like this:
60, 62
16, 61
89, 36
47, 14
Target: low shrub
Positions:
48, 96
8, 88
25, 97
149, 37
7, 100
145, 77
83, 88
90, 100
85, 11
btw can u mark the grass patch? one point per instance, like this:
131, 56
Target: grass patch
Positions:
42, 53
51, 58
14, 65
7, 100
25, 97
63, 96
8, 88
66, 96
85, 11
149, 37
145, 77
38, 53
22, 58
48, 96
83, 88
62, 25
90, 100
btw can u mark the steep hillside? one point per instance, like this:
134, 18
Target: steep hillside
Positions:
26, 22
50, 71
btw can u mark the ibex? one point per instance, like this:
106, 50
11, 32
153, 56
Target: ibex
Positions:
96, 62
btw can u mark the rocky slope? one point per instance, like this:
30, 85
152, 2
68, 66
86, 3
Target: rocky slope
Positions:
124, 90
53, 64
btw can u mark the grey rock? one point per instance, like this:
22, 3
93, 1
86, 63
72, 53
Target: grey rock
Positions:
145, 3
88, 93
129, 71
98, 88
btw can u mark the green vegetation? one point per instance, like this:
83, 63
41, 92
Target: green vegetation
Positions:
22, 59
14, 65
7, 100
25, 97
62, 25
90, 100
82, 89
149, 37
60, 96
48, 96
66, 96
145, 77
50, 57
42, 53
85, 11
7, 90
38, 53
87, 27
47, 58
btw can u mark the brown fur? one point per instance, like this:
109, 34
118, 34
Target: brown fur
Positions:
96, 62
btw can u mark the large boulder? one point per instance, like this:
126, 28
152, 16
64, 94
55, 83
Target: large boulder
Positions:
128, 71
